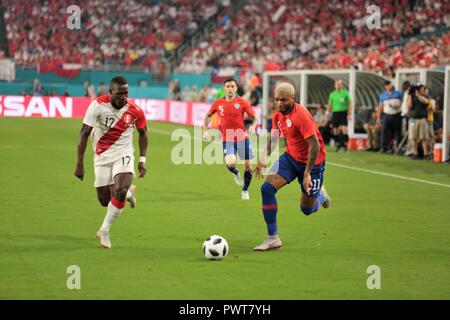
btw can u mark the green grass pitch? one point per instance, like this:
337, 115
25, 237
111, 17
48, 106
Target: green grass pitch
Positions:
48, 221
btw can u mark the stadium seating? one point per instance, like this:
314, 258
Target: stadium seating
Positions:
126, 32
263, 35
273, 35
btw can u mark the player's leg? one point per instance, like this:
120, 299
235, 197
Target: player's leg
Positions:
104, 194
248, 175
318, 195
269, 208
245, 152
282, 173
123, 172
229, 151
104, 183
131, 198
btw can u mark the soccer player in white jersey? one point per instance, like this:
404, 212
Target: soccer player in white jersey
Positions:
111, 119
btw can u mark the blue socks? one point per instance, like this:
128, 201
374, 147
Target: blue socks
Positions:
269, 207
315, 207
247, 179
233, 170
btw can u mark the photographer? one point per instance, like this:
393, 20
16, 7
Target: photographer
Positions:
418, 126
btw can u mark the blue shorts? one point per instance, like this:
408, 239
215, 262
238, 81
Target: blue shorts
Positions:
290, 169
242, 148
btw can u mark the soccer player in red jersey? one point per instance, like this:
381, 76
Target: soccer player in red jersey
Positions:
111, 119
304, 159
231, 110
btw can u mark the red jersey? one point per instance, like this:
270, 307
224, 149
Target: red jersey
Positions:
231, 117
297, 126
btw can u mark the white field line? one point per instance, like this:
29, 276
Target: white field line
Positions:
380, 173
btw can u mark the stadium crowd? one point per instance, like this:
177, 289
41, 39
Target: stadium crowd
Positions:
274, 35
264, 35
112, 32
427, 53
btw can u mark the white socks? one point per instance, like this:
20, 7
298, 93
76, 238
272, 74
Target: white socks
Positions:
111, 214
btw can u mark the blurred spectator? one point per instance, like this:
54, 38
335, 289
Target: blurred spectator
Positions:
405, 145
37, 89
418, 128
186, 95
254, 98
102, 89
391, 119
194, 93
405, 91
373, 129
89, 90
203, 95
174, 90
323, 121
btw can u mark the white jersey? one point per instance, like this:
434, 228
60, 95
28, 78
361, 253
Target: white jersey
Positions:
112, 136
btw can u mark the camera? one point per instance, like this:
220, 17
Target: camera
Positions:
413, 89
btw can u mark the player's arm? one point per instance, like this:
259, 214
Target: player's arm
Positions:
143, 144
271, 144
81, 149
252, 115
313, 153
206, 121
254, 124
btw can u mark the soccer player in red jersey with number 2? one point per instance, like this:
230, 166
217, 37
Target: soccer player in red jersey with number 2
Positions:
231, 110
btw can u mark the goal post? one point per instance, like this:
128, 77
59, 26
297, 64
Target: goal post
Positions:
446, 117
313, 87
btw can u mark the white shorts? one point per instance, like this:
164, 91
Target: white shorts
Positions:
105, 173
